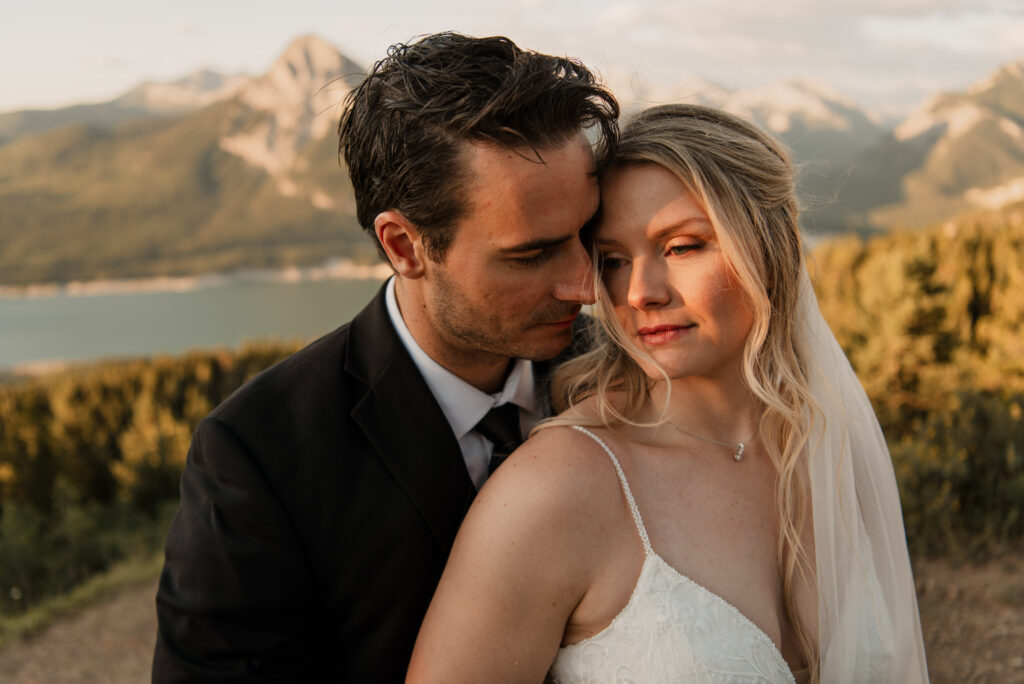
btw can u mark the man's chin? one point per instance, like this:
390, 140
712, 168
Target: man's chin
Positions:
547, 346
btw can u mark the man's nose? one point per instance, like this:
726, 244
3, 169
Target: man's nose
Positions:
576, 284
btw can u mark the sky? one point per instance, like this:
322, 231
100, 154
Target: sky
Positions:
885, 55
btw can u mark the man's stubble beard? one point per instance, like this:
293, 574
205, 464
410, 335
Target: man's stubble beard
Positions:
473, 334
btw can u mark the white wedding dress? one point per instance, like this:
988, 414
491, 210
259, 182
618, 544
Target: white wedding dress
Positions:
671, 630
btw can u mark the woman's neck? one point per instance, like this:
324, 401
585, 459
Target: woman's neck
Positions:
728, 412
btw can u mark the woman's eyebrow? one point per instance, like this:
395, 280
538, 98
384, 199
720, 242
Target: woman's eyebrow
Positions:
679, 225
667, 230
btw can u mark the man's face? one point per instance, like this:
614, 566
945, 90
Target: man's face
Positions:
516, 272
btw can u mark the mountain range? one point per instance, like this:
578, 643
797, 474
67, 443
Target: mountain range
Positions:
148, 99
214, 172
249, 181
971, 149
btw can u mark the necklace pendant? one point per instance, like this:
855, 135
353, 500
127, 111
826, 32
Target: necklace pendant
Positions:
738, 456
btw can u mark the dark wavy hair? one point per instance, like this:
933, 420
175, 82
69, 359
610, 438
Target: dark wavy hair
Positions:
402, 129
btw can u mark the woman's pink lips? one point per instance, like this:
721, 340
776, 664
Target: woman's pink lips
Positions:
660, 334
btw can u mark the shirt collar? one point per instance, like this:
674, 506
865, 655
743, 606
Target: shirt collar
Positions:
462, 404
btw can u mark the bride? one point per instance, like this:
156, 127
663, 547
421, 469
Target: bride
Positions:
716, 502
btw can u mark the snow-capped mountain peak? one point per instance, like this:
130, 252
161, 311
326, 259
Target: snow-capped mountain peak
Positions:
304, 71
297, 100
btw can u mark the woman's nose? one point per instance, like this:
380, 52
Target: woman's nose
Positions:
647, 286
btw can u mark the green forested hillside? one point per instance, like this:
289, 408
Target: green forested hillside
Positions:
925, 314
16, 124
932, 321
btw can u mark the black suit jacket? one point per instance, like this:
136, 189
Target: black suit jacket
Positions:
318, 507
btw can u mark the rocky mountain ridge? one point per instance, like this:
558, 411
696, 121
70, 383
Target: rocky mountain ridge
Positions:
149, 99
971, 146
215, 172
189, 93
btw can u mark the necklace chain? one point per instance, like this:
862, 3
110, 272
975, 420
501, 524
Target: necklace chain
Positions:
740, 447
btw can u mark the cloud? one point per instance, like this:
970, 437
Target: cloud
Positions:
108, 61
885, 53
873, 50
968, 32
187, 30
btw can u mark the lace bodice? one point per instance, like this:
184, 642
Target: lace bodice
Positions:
671, 630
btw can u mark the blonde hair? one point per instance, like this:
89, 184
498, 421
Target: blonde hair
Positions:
744, 181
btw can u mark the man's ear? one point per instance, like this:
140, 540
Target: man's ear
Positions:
402, 242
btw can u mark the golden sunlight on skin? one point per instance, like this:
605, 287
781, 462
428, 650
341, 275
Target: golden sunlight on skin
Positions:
672, 290
516, 274
551, 528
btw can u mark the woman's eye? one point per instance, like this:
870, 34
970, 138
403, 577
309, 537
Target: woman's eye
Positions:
679, 250
611, 263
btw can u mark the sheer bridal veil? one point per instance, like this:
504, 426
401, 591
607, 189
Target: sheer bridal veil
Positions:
868, 624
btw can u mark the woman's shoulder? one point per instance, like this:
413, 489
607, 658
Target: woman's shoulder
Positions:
559, 455
558, 473
568, 439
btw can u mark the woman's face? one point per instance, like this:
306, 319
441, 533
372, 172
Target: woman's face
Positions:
672, 291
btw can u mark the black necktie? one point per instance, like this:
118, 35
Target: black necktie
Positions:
501, 427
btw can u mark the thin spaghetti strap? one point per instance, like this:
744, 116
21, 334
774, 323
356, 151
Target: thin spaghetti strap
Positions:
641, 530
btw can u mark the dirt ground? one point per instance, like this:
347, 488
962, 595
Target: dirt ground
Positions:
972, 615
109, 643
973, 620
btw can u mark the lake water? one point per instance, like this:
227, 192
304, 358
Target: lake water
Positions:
76, 328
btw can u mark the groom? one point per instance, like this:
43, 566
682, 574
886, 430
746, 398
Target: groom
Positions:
320, 502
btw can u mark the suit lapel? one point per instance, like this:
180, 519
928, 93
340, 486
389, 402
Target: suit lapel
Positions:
403, 421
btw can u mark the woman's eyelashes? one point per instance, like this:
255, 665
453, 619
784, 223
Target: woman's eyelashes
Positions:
680, 249
611, 262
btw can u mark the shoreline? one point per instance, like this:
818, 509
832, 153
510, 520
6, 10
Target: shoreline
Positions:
332, 269
35, 369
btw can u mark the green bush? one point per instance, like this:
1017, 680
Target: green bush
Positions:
961, 475
90, 462
48, 554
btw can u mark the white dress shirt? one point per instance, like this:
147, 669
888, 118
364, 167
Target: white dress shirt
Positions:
464, 405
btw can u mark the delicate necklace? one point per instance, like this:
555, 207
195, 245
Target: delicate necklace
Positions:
739, 446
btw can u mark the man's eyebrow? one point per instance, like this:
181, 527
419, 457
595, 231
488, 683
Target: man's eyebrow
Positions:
540, 243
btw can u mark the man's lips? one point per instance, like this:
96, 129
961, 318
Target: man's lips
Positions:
660, 334
563, 323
